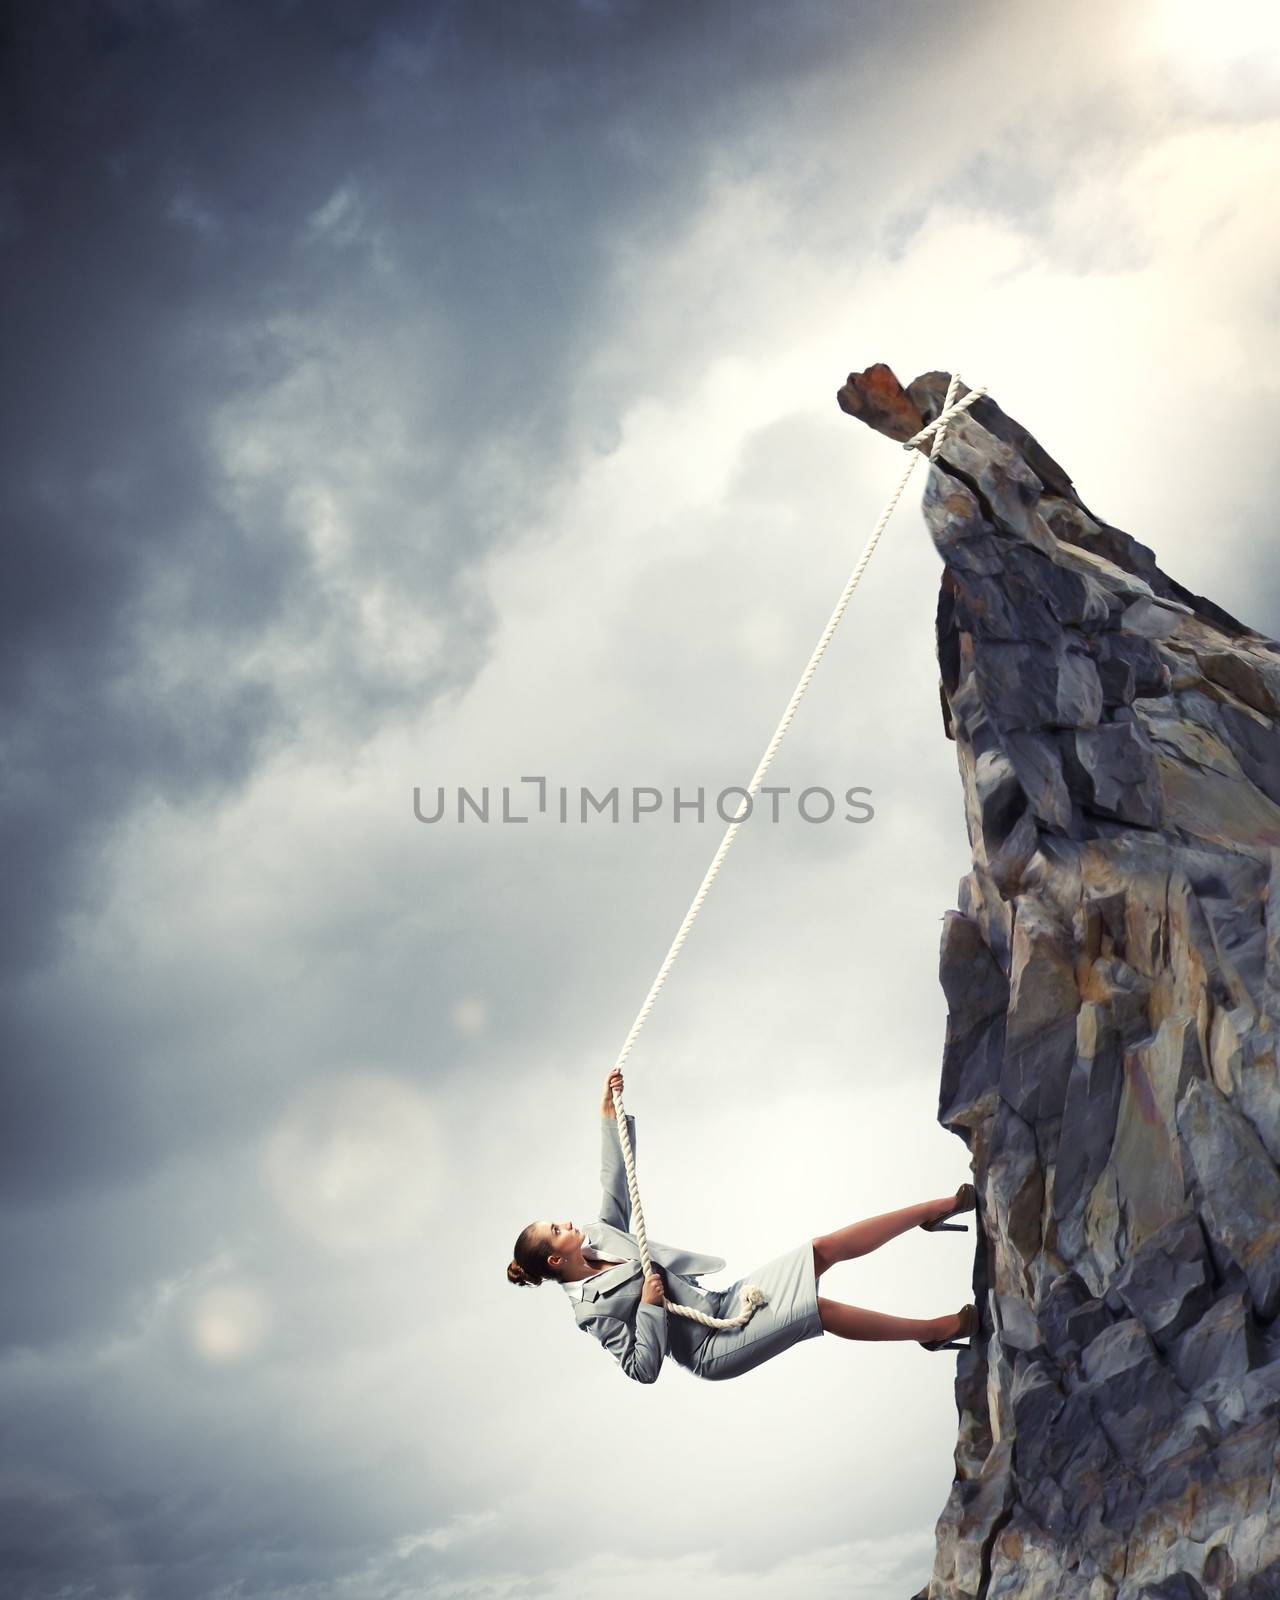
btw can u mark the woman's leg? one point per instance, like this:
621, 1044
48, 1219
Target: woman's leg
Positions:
852, 1322
859, 1238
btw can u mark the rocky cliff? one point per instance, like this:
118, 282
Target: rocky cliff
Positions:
1113, 978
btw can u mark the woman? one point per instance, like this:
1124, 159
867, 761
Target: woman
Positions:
600, 1271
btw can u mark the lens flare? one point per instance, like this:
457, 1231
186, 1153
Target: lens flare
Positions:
228, 1322
470, 1016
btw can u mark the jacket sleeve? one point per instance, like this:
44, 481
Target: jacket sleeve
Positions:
615, 1204
639, 1350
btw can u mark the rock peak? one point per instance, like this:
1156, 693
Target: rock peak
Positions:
1112, 972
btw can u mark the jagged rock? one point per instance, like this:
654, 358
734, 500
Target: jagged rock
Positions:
1135, 1397
1240, 1190
1221, 1346
1117, 771
1260, 1391
974, 1510
879, 400
978, 995
1167, 1283
1112, 973
1041, 1030
1181, 1586
1262, 1586
1088, 1119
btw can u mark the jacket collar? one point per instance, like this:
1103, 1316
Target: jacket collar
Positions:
605, 1282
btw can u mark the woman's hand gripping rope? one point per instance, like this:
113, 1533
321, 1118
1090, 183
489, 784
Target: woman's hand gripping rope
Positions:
614, 1081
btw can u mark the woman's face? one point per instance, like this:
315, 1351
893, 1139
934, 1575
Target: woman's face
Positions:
563, 1238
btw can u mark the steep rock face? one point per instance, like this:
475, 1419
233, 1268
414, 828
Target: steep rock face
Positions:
1113, 978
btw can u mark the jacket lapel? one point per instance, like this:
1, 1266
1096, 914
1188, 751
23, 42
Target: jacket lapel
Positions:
611, 1241
604, 1283
688, 1262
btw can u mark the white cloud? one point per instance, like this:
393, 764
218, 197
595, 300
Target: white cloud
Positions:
358, 1163
464, 1526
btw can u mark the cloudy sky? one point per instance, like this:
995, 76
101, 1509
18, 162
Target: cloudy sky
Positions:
420, 395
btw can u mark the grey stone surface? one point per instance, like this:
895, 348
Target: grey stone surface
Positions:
1220, 1347
1181, 1586
1168, 1281
1112, 973
1239, 1188
1116, 770
1261, 1586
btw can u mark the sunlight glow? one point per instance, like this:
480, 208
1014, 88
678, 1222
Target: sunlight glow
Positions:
470, 1016
228, 1323
356, 1163
1213, 38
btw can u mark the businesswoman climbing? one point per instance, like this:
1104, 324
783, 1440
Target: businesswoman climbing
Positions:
599, 1268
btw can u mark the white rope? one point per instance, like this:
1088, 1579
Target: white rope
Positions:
752, 1296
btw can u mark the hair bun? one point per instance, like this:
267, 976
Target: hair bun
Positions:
516, 1273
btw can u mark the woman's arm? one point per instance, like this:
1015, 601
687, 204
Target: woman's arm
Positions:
615, 1200
615, 1206
637, 1351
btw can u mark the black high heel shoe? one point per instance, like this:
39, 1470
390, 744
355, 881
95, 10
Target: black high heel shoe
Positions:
966, 1200
970, 1315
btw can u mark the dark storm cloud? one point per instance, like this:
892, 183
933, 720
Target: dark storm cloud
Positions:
59, 1535
171, 168
410, 207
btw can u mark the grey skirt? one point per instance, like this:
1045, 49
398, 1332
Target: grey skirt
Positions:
791, 1315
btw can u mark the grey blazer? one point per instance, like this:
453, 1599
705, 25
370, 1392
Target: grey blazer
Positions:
636, 1334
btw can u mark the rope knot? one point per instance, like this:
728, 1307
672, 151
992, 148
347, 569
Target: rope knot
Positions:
951, 407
